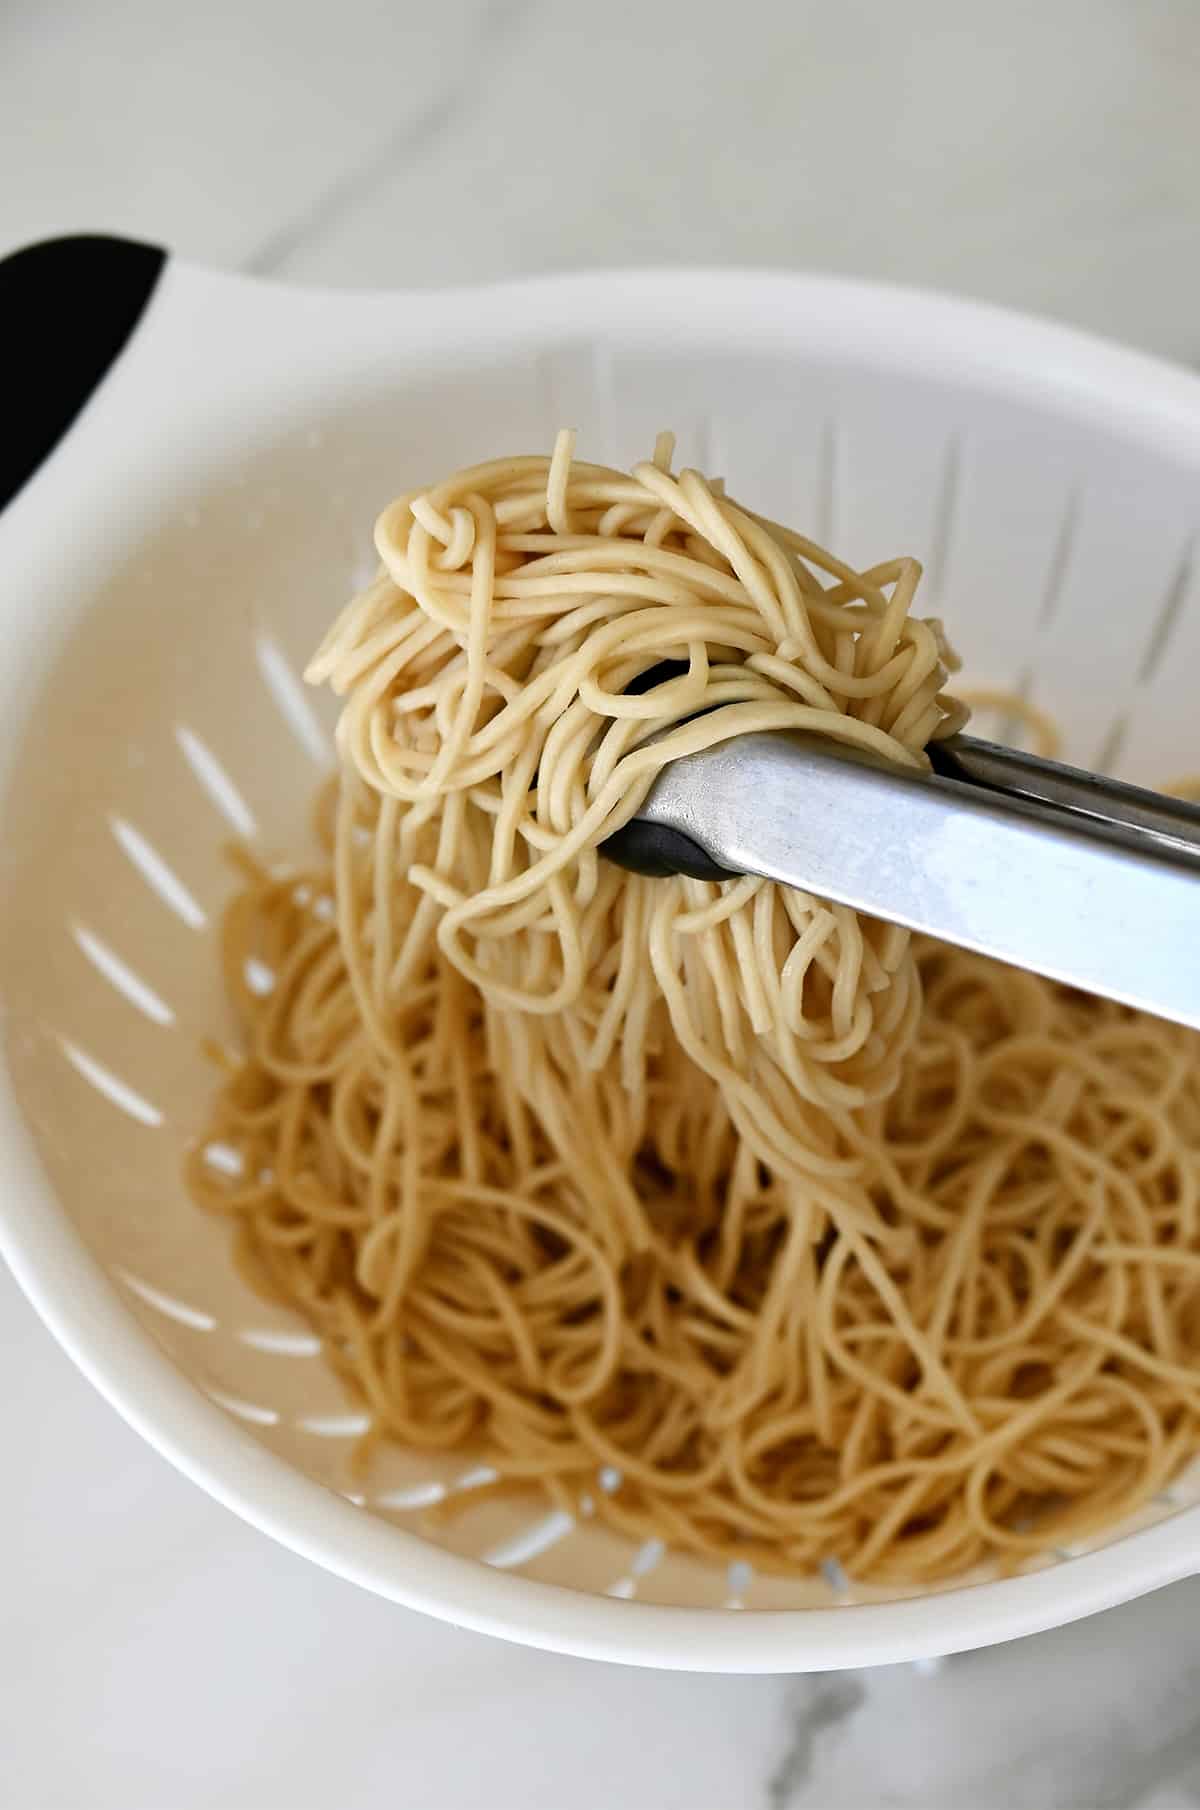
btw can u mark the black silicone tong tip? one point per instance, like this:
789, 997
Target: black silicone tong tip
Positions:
658, 674
654, 849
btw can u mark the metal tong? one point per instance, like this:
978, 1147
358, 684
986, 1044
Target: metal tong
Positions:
1077, 877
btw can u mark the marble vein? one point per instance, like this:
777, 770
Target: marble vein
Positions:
818, 1703
498, 22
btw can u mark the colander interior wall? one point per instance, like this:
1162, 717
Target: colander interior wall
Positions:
158, 713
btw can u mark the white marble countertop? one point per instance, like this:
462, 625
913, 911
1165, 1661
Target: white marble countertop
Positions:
157, 1654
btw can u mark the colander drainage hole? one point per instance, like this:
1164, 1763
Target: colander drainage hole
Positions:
292, 701
280, 1343
416, 1495
121, 977
157, 875
214, 779
532, 1540
259, 978
334, 1426
649, 1554
836, 1579
738, 1579
224, 1158
170, 1306
1169, 616
117, 1092
244, 1410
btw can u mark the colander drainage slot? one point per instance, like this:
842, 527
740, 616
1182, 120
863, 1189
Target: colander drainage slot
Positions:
279, 1343
258, 977
244, 1410
119, 975
119, 1092
334, 1426
168, 1305
157, 875
416, 1495
649, 1554
216, 781
292, 700
225, 1158
531, 1541
738, 1579
835, 1577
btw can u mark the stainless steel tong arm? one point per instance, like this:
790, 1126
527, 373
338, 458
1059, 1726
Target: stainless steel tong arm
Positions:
1079, 878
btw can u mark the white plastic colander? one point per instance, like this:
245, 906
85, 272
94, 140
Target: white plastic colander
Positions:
166, 570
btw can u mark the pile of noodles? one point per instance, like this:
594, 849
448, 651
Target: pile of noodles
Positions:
821, 1243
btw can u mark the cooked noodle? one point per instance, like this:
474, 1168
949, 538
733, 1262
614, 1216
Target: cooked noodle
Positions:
832, 1245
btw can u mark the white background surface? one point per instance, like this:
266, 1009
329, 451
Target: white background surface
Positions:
153, 1652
